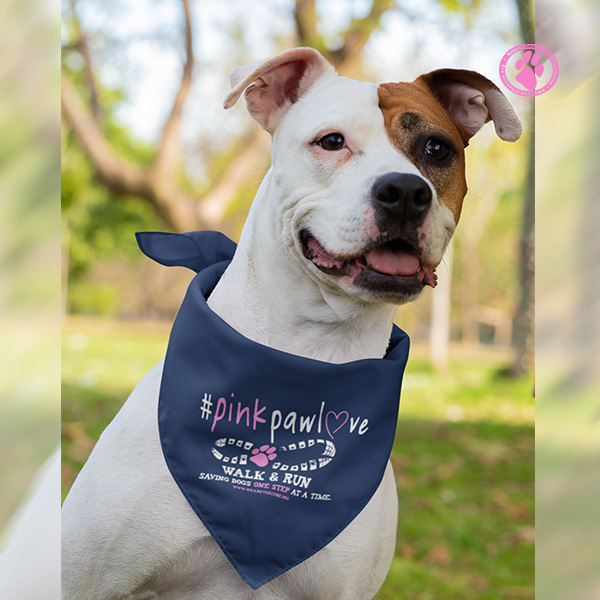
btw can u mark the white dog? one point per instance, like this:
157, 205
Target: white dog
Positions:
362, 198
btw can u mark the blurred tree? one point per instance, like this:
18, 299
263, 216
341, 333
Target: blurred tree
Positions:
523, 323
159, 182
347, 57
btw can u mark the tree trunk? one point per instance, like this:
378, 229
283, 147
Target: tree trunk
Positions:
158, 184
524, 318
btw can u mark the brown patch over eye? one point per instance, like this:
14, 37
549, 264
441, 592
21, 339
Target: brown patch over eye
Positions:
409, 120
419, 128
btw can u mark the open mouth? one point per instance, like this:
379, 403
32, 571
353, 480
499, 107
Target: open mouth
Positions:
386, 266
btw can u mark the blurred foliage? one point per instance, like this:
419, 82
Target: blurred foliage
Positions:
95, 298
496, 180
97, 221
97, 225
568, 314
466, 8
29, 404
29, 246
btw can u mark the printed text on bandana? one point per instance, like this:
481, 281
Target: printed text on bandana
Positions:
253, 462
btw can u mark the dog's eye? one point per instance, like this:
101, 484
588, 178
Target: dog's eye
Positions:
437, 149
332, 141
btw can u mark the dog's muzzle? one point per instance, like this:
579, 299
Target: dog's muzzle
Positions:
391, 263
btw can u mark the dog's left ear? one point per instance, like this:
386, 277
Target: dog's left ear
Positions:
273, 85
472, 100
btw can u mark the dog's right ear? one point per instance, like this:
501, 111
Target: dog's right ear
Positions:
273, 85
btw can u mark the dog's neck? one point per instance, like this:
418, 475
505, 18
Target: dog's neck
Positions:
268, 297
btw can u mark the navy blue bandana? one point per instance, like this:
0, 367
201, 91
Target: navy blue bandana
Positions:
275, 453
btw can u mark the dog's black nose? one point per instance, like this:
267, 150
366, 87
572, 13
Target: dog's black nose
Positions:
405, 196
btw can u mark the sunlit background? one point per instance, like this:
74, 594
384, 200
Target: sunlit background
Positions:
463, 457
29, 295
568, 307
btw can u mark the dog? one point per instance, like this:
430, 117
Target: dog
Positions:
361, 200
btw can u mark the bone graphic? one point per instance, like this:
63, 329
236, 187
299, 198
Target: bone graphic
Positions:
266, 454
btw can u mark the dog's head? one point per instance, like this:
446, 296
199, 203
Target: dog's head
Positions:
369, 180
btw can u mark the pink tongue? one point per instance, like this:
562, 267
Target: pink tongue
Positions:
393, 263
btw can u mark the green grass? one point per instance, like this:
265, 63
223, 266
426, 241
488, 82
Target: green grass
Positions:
466, 511
463, 459
102, 361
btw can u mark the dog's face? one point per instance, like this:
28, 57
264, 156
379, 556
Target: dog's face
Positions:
368, 180
364, 201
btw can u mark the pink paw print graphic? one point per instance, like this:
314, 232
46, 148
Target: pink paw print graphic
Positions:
529, 74
263, 455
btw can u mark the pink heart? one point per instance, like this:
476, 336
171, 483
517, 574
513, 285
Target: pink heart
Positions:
343, 412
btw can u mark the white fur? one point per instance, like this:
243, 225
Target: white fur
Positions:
128, 532
439, 227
